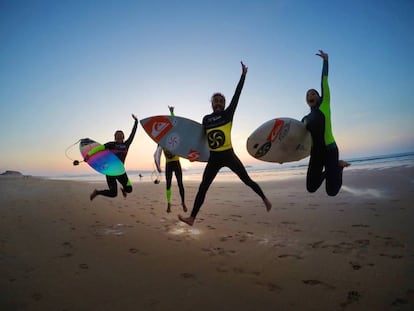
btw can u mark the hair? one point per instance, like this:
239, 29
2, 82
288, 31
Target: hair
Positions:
316, 91
119, 132
218, 94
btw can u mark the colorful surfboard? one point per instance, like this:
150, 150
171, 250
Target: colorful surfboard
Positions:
104, 161
181, 136
280, 140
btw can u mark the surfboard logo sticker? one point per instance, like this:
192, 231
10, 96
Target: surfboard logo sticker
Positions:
284, 131
173, 141
157, 127
277, 127
263, 150
193, 155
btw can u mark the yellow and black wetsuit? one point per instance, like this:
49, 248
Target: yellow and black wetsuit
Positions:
172, 165
121, 151
324, 152
218, 131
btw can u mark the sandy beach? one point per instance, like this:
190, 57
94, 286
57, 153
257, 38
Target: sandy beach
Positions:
355, 251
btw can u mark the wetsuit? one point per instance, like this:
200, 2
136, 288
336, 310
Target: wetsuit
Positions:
172, 165
324, 151
218, 131
120, 150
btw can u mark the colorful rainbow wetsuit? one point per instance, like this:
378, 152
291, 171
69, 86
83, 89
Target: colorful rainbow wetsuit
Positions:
324, 152
218, 131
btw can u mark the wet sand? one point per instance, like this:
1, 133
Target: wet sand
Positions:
355, 251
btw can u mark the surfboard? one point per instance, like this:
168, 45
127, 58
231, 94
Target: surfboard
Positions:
104, 162
181, 136
280, 140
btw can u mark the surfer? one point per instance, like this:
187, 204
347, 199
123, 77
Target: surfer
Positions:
218, 131
172, 165
324, 151
120, 148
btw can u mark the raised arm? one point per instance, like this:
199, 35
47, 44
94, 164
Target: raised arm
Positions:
325, 94
134, 130
235, 100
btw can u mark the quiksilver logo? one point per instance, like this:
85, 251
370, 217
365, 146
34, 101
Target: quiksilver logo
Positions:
157, 128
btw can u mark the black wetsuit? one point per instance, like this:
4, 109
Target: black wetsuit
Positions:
121, 151
172, 165
324, 152
218, 131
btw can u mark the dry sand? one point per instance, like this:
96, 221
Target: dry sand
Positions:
355, 251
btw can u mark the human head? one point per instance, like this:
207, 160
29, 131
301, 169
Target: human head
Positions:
119, 136
313, 98
218, 102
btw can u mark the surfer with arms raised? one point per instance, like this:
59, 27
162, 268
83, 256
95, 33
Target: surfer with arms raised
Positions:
120, 148
172, 165
218, 131
324, 151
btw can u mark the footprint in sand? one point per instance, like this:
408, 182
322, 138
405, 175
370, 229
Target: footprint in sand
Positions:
290, 256
187, 275
272, 287
355, 265
83, 266
317, 282
353, 296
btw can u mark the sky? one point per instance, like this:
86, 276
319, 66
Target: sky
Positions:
76, 69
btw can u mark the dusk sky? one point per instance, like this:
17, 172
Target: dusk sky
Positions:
75, 69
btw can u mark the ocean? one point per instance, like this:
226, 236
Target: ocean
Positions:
261, 172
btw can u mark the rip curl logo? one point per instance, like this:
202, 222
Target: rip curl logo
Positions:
216, 139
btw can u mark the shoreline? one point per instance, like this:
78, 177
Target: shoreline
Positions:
355, 251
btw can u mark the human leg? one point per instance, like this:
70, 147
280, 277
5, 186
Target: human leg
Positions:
112, 190
334, 171
238, 168
179, 176
315, 174
209, 174
168, 179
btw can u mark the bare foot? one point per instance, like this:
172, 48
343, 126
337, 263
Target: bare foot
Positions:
188, 220
124, 193
267, 204
184, 207
169, 208
93, 195
343, 163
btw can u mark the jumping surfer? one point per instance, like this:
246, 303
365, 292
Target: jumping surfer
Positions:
324, 151
218, 131
120, 148
172, 165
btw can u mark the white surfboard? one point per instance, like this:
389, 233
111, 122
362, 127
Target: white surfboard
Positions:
181, 136
280, 140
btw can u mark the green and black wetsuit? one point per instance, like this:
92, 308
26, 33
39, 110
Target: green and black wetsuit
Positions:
218, 130
172, 165
324, 152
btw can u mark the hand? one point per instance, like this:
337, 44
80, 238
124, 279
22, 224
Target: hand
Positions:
171, 109
244, 68
86, 158
134, 117
323, 55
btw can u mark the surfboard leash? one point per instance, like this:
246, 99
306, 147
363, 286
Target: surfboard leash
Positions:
74, 162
